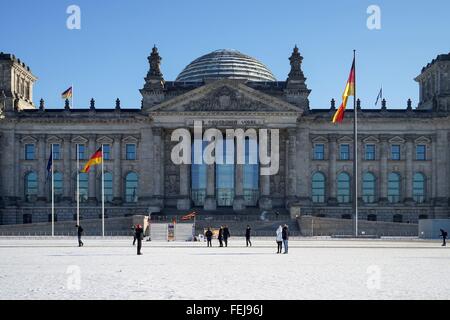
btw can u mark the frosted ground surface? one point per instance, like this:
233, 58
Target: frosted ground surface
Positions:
313, 269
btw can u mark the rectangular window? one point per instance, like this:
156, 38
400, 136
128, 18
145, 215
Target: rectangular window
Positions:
395, 152
106, 152
344, 152
56, 151
421, 150
29, 151
81, 152
131, 152
370, 152
319, 151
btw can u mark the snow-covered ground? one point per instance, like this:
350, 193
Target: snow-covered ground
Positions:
313, 269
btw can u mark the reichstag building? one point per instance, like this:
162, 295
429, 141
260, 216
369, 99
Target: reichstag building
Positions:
404, 159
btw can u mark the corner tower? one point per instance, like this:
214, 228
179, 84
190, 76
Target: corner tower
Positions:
434, 84
16, 84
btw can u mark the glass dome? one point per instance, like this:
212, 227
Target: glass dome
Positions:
225, 63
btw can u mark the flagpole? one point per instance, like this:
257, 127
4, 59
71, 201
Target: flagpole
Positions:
53, 195
72, 96
103, 198
78, 184
355, 148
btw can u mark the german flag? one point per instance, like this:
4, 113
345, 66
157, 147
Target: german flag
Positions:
189, 216
67, 94
349, 91
96, 158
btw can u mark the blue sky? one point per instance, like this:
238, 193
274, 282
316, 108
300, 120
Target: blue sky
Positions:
107, 58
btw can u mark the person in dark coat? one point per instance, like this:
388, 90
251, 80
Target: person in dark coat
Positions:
134, 235
208, 235
285, 236
226, 235
220, 236
444, 235
139, 236
247, 236
79, 232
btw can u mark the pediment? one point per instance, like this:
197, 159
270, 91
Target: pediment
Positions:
29, 139
225, 96
319, 139
105, 140
130, 139
371, 139
345, 139
397, 140
79, 139
423, 140
54, 139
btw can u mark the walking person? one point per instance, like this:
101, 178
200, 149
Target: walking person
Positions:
226, 235
220, 236
208, 235
285, 236
444, 235
139, 236
279, 239
79, 232
247, 236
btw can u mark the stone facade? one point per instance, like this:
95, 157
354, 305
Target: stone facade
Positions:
140, 144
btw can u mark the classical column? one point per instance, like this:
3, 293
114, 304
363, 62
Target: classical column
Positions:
303, 163
239, 201
409, 167
441, 160
41, 155
145, 165
210, 200
265, 200
9, 175
92, 193
184, 202
18, 190
384, 152
332, 152
117, 169
158, 166
292, 165
68, 164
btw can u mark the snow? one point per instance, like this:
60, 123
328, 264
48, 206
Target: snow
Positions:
314, 269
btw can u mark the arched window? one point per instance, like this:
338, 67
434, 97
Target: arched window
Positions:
108, 186
84, 186
318, 187
419, 187
368, 188
393, 187
343, 188
131, 185
31, 186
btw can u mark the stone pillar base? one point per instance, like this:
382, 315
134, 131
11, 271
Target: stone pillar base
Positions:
265, 203
184, 204
210, 203
238, 203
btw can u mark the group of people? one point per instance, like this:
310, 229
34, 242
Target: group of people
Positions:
224, 234
282, 237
